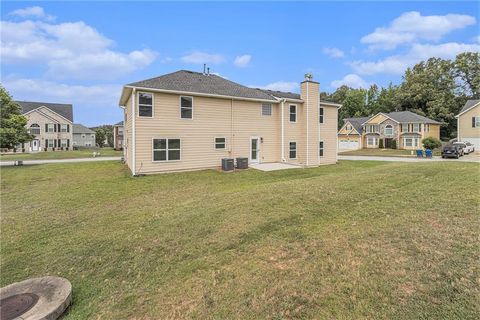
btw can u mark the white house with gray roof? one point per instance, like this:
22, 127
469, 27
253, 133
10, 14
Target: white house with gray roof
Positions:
83, 136
51, 125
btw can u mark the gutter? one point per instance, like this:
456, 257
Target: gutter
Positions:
133, 132
308, 109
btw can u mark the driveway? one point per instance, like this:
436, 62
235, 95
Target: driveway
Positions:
30, 162
475, 157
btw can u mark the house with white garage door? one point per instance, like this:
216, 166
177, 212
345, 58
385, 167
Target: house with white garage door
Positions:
350, 135
468, 123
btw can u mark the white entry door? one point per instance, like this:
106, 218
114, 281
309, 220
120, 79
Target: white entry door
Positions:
35, 145
254, 150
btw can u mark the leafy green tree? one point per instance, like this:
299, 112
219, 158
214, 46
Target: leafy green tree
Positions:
13, 130
100, 137
467, 72
107, 134
431, 143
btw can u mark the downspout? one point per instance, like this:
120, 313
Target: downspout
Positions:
133, 132
282, 129
308, 149
231, 128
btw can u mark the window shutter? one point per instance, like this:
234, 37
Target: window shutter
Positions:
68, 142
46, 143
59, 143
46, 127
54, 143
473, 122
68, 128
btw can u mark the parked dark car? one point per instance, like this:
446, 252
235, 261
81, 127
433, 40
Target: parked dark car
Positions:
461, 150
451, 152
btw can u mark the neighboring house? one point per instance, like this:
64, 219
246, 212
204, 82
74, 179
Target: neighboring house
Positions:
468, 123
118, 136
406, 128
51, 123
187, 120
82, 136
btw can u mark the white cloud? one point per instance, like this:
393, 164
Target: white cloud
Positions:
279, 86
69, 50
105, 95
242, 61
35, 12
412, 26
351, 80
334, 52
199, 57
397, 64
476, 39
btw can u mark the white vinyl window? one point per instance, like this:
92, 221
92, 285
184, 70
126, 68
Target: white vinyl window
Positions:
410, 142
349, 127
388, 130
321, 115
145, 104
220, 143
51, 143
63, 128
186, 107
372, 141
426, 127
266, 109
321, 147
416, 127
371, 128
293, 113
165, 149
35, 129
292, 154
477, 122
51, 127
63, 143
404, 127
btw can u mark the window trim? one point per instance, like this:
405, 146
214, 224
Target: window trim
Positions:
62, 125
375, 141
61, 143
138, 104
180, 107
296, 149
50, 141
271, 110
215, 143
321, 115
52, 126
419, 127
290, 113
477, 121
35, 126
321, 147
166, 150
385, 130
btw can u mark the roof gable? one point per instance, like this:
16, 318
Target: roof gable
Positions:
64, 110
469, 105
80, 128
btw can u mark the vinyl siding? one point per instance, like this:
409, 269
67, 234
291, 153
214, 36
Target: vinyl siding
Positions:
465, 124
328, 133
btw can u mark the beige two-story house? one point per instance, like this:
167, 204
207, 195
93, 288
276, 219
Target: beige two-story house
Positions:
50, 123
118, 136
402, 130
188, 121
468, 123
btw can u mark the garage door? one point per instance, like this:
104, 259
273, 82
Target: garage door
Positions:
349, 145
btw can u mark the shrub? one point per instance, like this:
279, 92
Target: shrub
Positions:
380, 143
431, 143
394, 144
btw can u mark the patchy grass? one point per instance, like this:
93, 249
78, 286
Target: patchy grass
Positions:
369, 240
385, 152
82, 153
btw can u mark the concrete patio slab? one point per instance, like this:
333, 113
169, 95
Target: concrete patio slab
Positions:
273, 166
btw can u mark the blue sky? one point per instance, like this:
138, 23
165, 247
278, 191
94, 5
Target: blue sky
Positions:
83, 52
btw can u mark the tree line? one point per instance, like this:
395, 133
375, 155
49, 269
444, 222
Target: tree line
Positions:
435, 88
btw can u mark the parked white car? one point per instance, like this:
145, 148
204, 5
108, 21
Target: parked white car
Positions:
466, 146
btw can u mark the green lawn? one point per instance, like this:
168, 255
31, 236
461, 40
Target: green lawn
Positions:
83, 153
384, 152
358, 240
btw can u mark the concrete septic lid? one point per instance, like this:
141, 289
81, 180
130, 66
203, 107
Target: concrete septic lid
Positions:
54, 296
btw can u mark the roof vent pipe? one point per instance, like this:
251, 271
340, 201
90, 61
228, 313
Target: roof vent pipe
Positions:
308, 76
208, 71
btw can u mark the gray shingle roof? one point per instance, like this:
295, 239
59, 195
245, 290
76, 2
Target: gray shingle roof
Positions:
357, 123
190, 81
408, 116
80, 128
118, 124
281, 94
469, 104
65, 110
